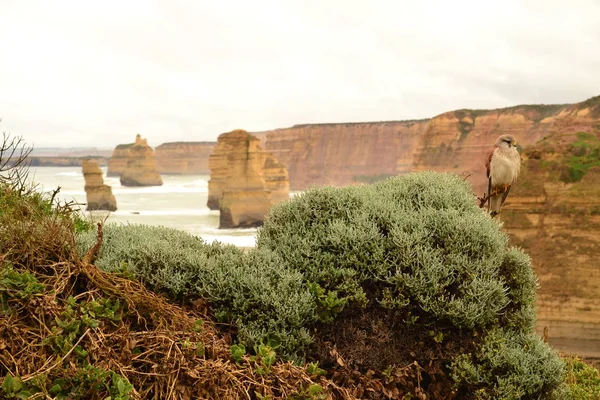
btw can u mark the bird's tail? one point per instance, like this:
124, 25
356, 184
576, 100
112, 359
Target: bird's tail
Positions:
495, 204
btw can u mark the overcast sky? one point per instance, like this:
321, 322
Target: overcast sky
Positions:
81, 73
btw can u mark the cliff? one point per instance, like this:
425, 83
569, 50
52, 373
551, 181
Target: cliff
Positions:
553, 210
99, 196
554, 214
184, 158
349, 153
59, 161
141, 169
246, 181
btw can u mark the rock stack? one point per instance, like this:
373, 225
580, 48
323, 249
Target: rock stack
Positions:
99, 195
246, 181
118, 161
141, 169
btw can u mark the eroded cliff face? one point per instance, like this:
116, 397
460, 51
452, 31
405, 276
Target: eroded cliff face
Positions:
99, 196
60, 161
246, 181
553, 212
343, 154
141, 169
184, 158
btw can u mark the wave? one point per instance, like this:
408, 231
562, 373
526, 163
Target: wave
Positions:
72, 192
197, 183
190, 212
159, 189
70, 173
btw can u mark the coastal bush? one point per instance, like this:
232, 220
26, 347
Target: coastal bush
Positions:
416, 255
510, 365
583, 380
74, 331
254, 290
419, 239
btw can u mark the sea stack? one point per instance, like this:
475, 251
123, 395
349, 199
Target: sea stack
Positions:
99, 196
141, 169
246, 181
118, 160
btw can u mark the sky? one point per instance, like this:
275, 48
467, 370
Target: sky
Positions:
95, 73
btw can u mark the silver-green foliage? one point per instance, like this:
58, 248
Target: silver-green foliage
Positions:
254, 290
512, 366
419, 237
419, 244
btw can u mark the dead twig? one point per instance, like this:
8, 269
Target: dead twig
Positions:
89, 256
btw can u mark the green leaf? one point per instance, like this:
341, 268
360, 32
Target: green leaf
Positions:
315, 389
11, 385
121, 386
56, 389
24, 394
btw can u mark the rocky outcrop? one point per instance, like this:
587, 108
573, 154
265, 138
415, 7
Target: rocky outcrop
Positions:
343, 154
118, 161
553, 212
184, 158
246, 181
99, 196
141, 167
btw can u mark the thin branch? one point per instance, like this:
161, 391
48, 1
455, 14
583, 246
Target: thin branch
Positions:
25, 379
89, 256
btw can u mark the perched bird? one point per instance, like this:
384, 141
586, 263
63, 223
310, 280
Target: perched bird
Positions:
503, 164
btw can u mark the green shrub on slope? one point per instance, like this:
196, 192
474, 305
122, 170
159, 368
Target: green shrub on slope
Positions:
510, 366
419, 238
583, 380
255, 290
418, 245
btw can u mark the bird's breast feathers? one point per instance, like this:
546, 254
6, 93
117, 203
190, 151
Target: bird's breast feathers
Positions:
505, 165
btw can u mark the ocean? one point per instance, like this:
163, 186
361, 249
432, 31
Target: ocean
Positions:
179, 203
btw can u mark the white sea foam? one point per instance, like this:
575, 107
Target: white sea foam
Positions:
159, 189
70, 173
167, 212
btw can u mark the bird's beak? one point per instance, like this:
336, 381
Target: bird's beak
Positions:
514, 144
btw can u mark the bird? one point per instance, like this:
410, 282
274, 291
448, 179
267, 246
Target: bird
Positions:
503, 164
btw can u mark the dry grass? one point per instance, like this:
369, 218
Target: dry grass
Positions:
54, 323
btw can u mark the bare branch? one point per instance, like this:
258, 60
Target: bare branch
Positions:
14, 162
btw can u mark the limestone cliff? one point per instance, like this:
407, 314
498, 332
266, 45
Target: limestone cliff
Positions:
184, 158
245, 180
141, 167
343, 154
553, 212
63, 161
99, 196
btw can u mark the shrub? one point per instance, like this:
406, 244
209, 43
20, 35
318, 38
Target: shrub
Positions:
511, 366
419, 247
419, 239
255, 291
583, 380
